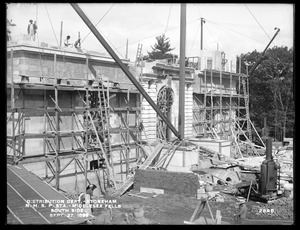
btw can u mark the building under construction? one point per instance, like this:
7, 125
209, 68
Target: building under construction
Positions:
74, 118
77, 118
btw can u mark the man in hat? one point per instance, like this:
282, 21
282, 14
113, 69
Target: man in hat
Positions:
90, 189
240, 217
31, 30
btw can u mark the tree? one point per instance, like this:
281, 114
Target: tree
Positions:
161, 49
271, 90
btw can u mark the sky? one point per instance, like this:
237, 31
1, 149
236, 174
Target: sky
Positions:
232, 28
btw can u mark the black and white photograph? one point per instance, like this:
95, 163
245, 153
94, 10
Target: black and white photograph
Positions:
150, 113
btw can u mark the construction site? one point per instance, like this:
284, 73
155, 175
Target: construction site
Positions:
162, 141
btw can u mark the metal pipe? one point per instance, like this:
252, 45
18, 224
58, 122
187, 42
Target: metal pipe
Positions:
123, 67
181, 120
262, 57
269, 149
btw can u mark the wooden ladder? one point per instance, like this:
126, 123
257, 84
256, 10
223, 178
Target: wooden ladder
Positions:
138, 54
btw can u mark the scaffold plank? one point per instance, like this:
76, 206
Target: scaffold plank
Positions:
24, 185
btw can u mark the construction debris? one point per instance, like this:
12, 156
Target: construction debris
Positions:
134, 216
279, 209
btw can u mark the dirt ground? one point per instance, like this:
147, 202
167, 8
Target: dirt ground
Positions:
175, 209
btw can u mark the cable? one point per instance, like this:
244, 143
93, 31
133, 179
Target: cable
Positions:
98, 22
111, 43
56, 38
235, 32
210, 33
51, 25
156, 34
198, 10
218, 27
194, 41
168, 19
257, 21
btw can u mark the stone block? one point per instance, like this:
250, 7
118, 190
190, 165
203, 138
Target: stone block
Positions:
185, 184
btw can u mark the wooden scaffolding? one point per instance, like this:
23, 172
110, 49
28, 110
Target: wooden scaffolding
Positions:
221, 111
89, 137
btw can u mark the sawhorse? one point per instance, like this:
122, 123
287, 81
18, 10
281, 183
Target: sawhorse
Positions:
195, 219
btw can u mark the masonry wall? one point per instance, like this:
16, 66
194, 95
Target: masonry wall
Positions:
37, 62
185, 184
148, 114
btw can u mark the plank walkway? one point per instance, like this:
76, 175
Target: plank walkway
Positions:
22, 186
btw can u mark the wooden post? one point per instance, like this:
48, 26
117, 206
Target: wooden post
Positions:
218, 217
12, 102
121, 163
211, 99
230, 97
205, 104
45, 130
239, 94
86, 126
126, 55
249, 191
61, 29
109, 155
181, 120
57, 144
127, 134
221, 111
201, 40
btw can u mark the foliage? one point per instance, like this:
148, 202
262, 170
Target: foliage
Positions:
161, 49
271, 90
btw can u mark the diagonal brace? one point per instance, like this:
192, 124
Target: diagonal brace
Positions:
123, 67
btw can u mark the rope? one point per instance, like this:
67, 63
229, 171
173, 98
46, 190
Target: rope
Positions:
257, 21
98, 22
234, 31
194, 40
51, 25
154, 35
233, 36
168, 19
37, 36
211, 33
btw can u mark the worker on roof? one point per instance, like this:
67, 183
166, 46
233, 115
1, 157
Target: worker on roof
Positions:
77, 44
66, 42
240, 217
31, 30
35, 29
